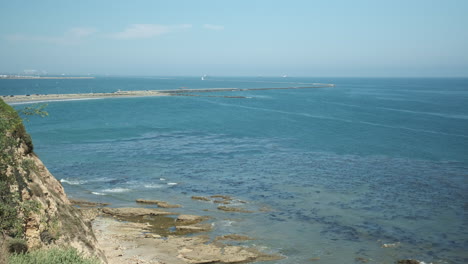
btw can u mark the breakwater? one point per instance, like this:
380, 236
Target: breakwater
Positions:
177, 92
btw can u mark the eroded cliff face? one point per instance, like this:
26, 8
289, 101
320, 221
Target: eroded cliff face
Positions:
33, 203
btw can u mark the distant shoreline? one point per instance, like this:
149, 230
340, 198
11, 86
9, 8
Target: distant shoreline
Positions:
38, 77
178, 92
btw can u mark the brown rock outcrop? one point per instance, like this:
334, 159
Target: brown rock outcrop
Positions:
133, 212
46, 214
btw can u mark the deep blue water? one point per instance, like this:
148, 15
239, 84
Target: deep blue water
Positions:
342, 170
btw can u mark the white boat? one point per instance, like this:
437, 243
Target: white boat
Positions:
203, 77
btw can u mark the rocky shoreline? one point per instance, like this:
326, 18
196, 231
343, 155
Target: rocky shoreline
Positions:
150, 235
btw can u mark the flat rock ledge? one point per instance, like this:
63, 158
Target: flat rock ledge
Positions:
233, 237
161, 204
233, 209
218, 198
131, 212
210, 253
86, 204
129, 243
410, 261
201, 198
193, 228
190, 219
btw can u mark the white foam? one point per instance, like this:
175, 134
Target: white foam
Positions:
153, 186
162, 179
172, 183
72, 182
116, 190
98, 193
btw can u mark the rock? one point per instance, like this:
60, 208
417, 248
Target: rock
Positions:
152, 236
190, 219
52, 219
161, 204
194, 228
224, 197
409, 261
234, 237
210, 253
89, 214
168, 205
201, 198
84, 203
131, 212
233, 209
361, 259
221, 201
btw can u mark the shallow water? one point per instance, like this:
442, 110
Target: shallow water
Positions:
341, 170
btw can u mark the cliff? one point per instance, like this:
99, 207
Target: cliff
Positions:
33, 204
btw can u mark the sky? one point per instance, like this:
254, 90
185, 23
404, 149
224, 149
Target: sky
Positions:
348, 38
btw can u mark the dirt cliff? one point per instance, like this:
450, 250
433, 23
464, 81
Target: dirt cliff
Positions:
33, 204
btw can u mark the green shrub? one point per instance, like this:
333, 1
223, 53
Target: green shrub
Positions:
13, 211
51, 256
17, 246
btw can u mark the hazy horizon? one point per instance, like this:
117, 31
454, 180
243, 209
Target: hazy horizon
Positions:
243, 38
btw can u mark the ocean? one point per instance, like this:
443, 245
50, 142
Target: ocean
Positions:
373, 169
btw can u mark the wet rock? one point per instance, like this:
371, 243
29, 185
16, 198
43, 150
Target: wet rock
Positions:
193, 228
190, 219
234, 237
201, 198
233, 209
409, 261
130, 212
161, 204
224, 197
221, 202
361, 260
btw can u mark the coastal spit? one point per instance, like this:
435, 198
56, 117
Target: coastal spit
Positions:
178, 92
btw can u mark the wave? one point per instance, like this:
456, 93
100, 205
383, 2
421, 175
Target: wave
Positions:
454, 116
154, 186
116, 190
413, 129
346, 120
98, 193
72, 182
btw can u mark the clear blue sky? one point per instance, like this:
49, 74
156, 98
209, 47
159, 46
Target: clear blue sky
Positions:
238, 37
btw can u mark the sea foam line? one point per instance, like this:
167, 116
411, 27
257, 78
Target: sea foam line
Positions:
347, 121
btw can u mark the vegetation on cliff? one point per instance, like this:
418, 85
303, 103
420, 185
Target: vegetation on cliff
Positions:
35, 213
51, 256
12, 135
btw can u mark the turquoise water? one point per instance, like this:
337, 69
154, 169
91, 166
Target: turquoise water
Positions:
341, 170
